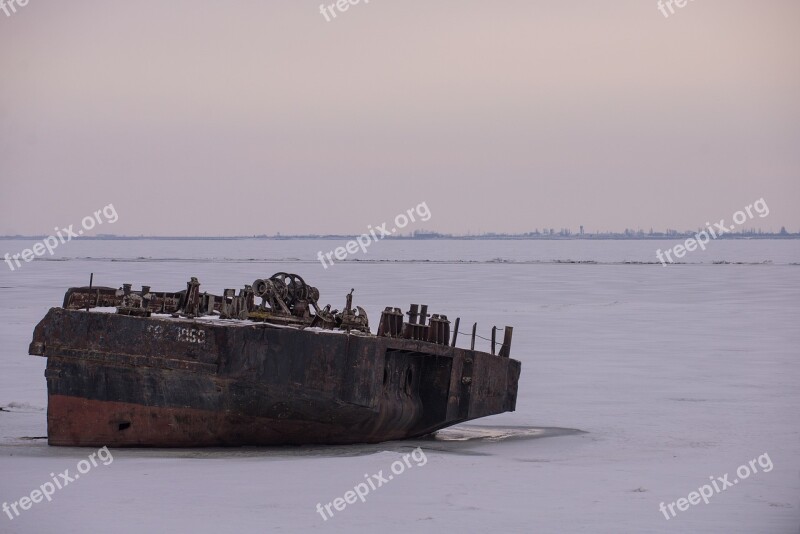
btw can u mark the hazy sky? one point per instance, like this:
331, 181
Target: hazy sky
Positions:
248, 117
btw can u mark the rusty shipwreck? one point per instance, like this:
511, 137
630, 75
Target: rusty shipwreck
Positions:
142, 368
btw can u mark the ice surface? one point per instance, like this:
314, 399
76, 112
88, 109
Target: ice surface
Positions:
673, 374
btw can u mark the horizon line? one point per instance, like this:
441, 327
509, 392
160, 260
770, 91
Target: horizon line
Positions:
424, 235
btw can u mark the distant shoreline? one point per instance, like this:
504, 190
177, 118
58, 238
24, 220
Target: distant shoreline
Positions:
427, 237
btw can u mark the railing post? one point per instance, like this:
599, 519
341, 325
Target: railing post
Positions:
505, 350
455, 331
474, 329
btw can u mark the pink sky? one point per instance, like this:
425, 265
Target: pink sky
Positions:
200, 117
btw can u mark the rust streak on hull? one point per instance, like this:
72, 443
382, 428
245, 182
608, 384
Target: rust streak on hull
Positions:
73, 421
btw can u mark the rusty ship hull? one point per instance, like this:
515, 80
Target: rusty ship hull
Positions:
121, 380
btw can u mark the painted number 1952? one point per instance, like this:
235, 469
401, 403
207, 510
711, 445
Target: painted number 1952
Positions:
192, 335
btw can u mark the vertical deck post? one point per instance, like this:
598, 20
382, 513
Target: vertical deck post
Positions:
423, 314
474, 329
455, 331
412, 314
505, 350
91, 280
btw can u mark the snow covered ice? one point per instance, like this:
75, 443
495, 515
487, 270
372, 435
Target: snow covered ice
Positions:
639, 382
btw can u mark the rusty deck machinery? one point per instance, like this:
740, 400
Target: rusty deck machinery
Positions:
190, 368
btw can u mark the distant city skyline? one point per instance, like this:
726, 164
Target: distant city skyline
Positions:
544, 233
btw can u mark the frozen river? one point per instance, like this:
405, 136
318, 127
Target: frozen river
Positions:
639, 383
